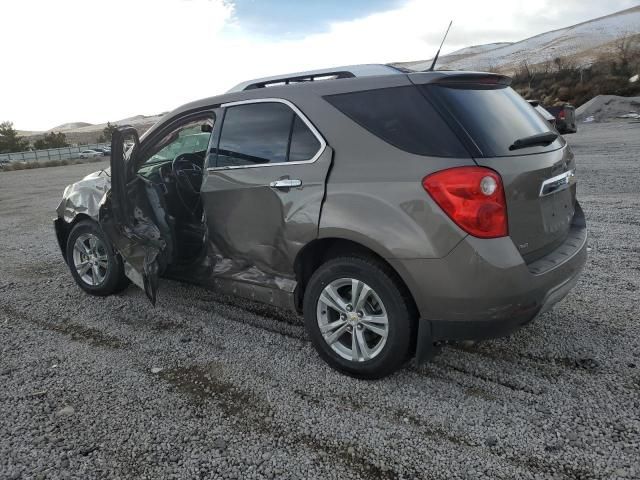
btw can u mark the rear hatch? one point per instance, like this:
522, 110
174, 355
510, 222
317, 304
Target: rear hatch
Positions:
538, 178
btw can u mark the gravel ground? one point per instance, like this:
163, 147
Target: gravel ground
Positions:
200, 387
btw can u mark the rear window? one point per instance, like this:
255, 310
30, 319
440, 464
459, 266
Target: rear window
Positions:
493, 117
403, 117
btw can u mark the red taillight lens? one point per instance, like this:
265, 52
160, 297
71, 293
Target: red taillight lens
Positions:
473, 197
561, 115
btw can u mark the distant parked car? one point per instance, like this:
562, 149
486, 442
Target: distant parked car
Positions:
104, 151
565, 118
543, 111
90, 154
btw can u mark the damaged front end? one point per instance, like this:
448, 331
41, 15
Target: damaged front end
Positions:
127, 209
81, 200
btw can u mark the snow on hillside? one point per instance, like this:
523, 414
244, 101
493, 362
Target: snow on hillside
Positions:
582, 42
475, 49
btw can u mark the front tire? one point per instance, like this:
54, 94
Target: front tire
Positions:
358, 317
94, 265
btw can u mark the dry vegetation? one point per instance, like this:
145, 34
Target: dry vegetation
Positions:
9, 167
562, 81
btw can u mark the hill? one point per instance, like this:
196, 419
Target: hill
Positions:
69, 126
84, 133
580, 45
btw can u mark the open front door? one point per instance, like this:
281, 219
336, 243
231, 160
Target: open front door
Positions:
129, 216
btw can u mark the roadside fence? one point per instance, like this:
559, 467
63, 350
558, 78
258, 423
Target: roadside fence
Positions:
65, 153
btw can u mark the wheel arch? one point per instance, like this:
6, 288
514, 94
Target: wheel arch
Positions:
320, 250
63, 229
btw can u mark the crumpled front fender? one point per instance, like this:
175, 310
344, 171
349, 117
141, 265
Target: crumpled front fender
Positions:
85, 196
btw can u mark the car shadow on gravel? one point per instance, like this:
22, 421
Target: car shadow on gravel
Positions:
74, 331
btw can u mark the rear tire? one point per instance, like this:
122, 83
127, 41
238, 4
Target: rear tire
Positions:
94, 265
379, 316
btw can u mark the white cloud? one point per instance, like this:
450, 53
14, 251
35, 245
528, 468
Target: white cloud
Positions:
85, 60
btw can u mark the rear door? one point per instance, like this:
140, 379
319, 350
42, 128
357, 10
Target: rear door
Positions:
539, 180
263, 190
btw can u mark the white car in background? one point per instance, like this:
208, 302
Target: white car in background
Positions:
90, 154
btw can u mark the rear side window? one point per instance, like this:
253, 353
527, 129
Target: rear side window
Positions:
494, 117
262, 133
403, 117
304, 143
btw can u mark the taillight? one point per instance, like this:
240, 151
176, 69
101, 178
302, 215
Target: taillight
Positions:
561, 115
473, 197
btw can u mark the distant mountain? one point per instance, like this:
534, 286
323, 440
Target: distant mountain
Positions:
83, 127
83, 132
580, 44
69, 126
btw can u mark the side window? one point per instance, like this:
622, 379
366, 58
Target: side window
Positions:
262, 133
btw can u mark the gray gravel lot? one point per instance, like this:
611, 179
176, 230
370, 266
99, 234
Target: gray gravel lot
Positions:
199, 387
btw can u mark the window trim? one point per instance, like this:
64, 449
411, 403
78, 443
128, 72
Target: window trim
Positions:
296, 110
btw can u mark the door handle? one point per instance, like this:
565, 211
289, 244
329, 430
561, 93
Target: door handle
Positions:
286, 183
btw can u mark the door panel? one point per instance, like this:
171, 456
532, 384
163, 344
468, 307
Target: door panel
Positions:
129, 217
136, 217
256, 228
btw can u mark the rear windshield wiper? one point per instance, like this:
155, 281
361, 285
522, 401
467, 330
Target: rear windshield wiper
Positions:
543, 139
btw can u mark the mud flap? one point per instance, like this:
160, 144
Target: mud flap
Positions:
426, 350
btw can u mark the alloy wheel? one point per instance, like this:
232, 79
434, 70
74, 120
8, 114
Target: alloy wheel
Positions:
90, 259
352, 319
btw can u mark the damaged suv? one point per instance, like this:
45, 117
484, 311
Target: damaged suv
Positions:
394, 210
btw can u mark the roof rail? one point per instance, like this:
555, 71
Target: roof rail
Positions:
350, 71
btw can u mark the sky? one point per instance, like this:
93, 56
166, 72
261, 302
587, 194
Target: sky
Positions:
96, 60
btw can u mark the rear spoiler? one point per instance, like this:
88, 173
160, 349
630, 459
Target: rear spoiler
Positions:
474, 79
460, 79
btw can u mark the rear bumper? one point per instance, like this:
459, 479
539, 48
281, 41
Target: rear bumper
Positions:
484, 289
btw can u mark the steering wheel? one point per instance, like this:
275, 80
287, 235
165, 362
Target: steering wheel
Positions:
188, 175
187, 172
